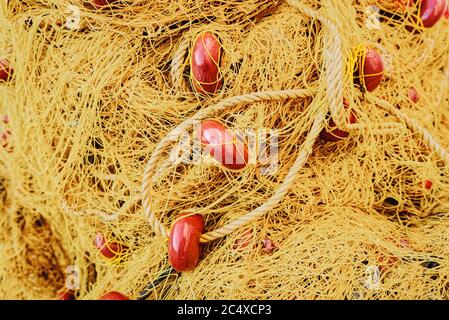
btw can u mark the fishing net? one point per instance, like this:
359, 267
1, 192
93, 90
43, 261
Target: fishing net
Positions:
97, 116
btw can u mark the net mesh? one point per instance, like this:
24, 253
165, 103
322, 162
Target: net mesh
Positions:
92, 95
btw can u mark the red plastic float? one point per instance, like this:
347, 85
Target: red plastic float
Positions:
427, 184
205, 64
108, 249
184, 242
335, 134
6, 70
113, 295
223, 145
268, 246
371, 70
102, 3
413, 95
243, 242
65, 294
431, 11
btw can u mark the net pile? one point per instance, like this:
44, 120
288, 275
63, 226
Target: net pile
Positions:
93, 94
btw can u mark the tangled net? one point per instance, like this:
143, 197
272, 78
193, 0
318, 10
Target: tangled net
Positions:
96, 90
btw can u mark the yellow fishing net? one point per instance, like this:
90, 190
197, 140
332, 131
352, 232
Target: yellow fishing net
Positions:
95, 90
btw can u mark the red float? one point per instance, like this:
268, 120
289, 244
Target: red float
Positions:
268, 246
335, 134
413, 95
223, 145
113, 295
427, 184
205, 64
371, 70
102, 3
6, 71
108, 249
431, 11
184, 242
65, 294
243, 242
